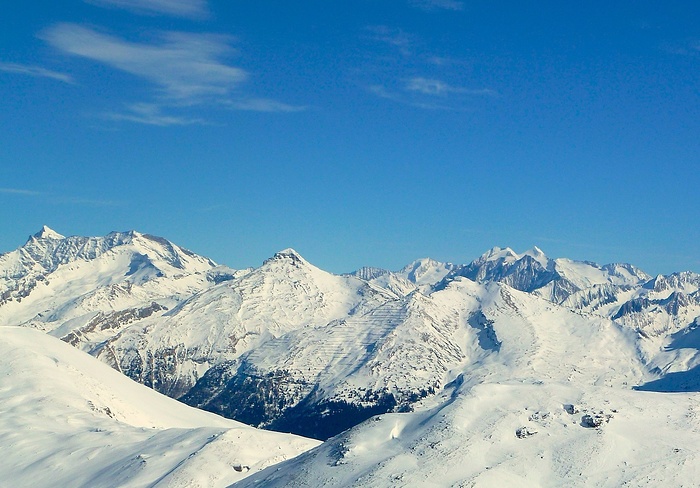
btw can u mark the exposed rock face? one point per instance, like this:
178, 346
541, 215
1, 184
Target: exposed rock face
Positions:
524, 432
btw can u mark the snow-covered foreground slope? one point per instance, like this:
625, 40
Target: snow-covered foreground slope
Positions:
68, 420
513, 434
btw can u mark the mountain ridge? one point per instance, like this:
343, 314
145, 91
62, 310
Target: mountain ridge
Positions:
517, 363
364, 342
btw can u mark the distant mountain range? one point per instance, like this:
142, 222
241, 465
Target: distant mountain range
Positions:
290, 347
514, 369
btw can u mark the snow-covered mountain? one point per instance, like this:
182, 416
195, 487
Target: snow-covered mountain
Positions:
553, 279
52, 279
322, 380
420, 274
171, 351
68, 420
290, 346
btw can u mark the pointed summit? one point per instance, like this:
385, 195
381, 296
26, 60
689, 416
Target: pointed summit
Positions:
48, 233
537, 254
496, 253
289, 255
535, 251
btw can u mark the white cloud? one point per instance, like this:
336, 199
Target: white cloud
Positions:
185, 67
688, 47
188, 70
428, 86
151, 114
438, 4
58, 199
431, 94
383, 92
264, 105
36, 71
194, 9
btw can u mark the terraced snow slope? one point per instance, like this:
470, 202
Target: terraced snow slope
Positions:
547, 404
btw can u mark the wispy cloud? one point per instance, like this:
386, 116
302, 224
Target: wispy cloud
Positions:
399, 78
194, 9
430, 5
428, 86
185, 69
445, 61
431, 94
91, 202
184, 66
19, 191
151, 114
396, 96
264, 105
688, 47
36, 71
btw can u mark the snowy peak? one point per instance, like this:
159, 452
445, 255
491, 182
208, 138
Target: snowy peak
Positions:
497, 253
49, 249
47, 233
507, 255
289, 256
554, 279
52, 278
537, 254
686, 281
526, 272
369, 273
626, 273
426, 271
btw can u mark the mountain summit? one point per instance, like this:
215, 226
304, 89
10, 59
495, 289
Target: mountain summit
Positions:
48, 233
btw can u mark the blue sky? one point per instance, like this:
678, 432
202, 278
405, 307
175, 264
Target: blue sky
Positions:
360, 133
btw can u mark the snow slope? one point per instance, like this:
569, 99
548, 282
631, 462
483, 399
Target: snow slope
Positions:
549, 403
171, 351
68, 420
512, 434
311, 381
515, 369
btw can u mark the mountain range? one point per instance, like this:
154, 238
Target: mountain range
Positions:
516, 353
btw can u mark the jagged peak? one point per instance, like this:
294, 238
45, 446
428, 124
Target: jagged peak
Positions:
535, 251
48, 233
288, 255
424, 263
507, 254
289, 252
537, 254
498, 252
